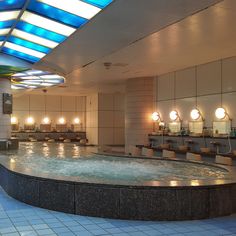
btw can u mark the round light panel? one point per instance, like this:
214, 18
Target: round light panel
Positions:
33, 79
220, 113
155, 116
174, 115
195, 114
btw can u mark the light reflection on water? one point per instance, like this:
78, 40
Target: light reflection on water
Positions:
68, 159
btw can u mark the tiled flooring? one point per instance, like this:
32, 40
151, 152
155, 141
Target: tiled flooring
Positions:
17, 218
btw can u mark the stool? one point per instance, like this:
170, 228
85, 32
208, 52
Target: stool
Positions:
148, 152
193, 157
223, 160
168, 154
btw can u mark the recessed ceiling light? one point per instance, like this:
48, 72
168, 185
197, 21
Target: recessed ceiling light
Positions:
75, 7
47, 24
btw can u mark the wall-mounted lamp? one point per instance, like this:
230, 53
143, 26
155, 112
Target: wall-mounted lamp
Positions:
220, 112
14, 120
156, 116
174, 115
62, 120
30, 120
195, 114
46, 120
76, 121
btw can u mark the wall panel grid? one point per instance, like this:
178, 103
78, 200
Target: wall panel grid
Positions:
54, 107
208, 83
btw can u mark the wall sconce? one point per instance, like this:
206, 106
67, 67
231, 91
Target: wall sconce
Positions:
14, 120
156, 116
221, 113
174, 115
62, 120
195, 114
77, 121
30, 120
46, 120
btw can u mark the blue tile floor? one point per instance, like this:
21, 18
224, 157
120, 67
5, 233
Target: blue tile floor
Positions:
17, 218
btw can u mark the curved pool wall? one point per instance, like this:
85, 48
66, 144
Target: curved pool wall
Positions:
157, 202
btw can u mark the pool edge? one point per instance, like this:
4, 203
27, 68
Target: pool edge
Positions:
121, 202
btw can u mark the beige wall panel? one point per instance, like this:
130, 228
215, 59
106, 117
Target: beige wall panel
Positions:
209, 78
229, 74
165, 86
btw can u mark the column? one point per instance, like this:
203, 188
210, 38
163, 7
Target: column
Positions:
138, 111
5, 119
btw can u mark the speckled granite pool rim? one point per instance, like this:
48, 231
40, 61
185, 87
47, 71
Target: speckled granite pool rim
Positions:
154, 200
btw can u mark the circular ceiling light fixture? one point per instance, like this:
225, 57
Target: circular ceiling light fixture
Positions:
220, 113
32, 79
174, 115
195, 114
156, 116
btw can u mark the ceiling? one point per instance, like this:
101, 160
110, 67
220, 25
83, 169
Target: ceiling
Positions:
141, 39
30, 29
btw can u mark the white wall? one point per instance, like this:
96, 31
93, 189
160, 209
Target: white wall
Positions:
208, 91
56, 106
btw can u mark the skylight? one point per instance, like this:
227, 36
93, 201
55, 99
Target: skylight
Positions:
31, 29
35, 79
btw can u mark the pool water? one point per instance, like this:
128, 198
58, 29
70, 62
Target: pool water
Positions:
70, 160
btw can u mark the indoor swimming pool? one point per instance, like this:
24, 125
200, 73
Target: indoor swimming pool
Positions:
70, 160
75, 179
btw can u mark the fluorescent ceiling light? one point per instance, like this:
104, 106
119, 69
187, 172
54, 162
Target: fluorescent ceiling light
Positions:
4, 31
24, 50
34, 72
16, 87
28, 77
46, 84
50, 77
8, 15
75, 7
30, 82
34, 38
1, 42
47, 24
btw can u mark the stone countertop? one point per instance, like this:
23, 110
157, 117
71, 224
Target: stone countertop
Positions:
189, 136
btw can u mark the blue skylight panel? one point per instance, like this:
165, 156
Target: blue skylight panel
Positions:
2, 38
38, 31
29, 44
11, 4
43, 25
20, 55
99, 3
6, 24
56, 14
